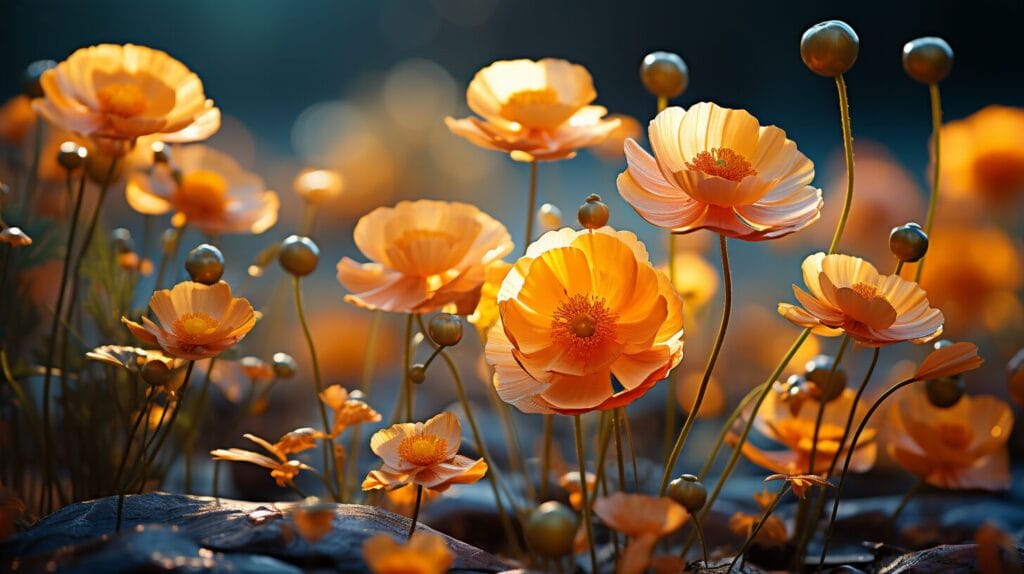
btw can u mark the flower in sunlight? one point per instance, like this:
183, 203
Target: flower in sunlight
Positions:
423, 255
118, 93
16, 119
207, 190
486, 313
348, 411
695, 279
317, 186
282, 470
800, 483
578, 309
777, 421
132, 359
611, 148
534, 110
848, 295
644, 519
717, 168
570, 481
772, 533
424, 454
713, 404
983, 155
195, 321
949, 361
423, 553
402, 500
958, 447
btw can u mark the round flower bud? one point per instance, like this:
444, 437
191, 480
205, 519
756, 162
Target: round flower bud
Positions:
928, 60
445, 329
829, 48
945, 392
121, 240
818, 373
549, 217
593, 213
908, 242
551, 529
161, 152
284, 365
71, 156
689, 492
156, 373
299, 255
205, 264
32, 88
664, 74
418, 373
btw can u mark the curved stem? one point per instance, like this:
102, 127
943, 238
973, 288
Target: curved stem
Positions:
700, 536
193, 427
124, 459
632, 451
933, 91
822, 403
708, 369
545, 458
620, 462
416, 510
531, 206
588, 524
844, 112
853, 411
757, 527
159, 442
406, 379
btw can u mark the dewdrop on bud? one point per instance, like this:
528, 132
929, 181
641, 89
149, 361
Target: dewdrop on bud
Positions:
33, 73
664, 74
284, 365
593, 213
549, 217
550, 529
908, 242
445, 329
299, 255
71, 156
928, 60
829, 48
205, 264
689, 492
418, 373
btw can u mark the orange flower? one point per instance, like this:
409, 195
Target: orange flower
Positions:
313, 520
196, 321
486, 313
402, 499
347, 411
570, 481
644, 519
776, 420
949, 361
713, 404
799, 483
773, 533
208, 189
579, 308
960, 447
983, 155
282, 470
425, 454
536, 111
116, 94
611, 148
16, 119
424, 255
256, 369
716, 168
423, 553
848, 295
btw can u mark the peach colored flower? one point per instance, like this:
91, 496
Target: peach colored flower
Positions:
423, 553
486, 313
578, 309
960, 447
282, 470
570, 481
312, 520
949, 361
425, 454
847, 294
16, 119
195, 321
118, 93
423, 255
983, 155
208, 189
347, 411
611, 148
536, 111
256, 369
644, 519
317, 186
716, 168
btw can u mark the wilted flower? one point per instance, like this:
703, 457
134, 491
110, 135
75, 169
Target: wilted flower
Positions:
799, 483
579, 308
983, 155
424, 454
282, 470
423, 553
536, 111
847, 294
716, 168
347, 411
424, 255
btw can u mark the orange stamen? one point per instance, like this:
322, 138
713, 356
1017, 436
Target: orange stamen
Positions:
423, 449
583, 323
125, 100
722, 162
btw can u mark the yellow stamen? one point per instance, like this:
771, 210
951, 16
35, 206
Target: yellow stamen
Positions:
125, 100
423, 449
193, 326
202, 194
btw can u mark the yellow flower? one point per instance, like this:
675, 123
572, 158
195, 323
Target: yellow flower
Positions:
116, 94
847, 294
282, 470
424, 454
347, 411
486, 313
536, 111
210, 191
423, 553
983, 155
196, 321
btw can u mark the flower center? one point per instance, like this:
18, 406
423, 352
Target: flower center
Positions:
423, 449
1000, 173
867, 291
538, 108
191, 327
722, 162
125, 100
202, 194
583, 322
954, 435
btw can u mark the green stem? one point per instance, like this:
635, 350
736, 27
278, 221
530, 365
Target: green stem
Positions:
853, 411
632, 451
708, 369
673, 377
588, 524
159, 442
757, 527
844, 112
416, 510
823, 403
700, 536
531, 206
933, 91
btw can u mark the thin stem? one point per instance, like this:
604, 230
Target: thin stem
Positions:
708, 369
620, 463
308, 220
700, 536
531, 206
545, 457
190, 435
890, 523
632, 451
406, 379
33, 174
587, 521
757, 527
662, 103
933, 201
416, 510
844, 112
120, 467
169, 255
369, 362
823, 403
853, 411
673, 377
170, 422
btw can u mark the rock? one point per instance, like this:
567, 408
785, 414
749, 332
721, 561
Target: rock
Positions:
948, 558
189, 533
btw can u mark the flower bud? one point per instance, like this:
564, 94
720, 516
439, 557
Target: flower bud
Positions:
829, 48
689, 492
31, 86
928, 60
161, 152
318, 185
945, 392
549, 217
445, 329
121, 240
664, 74
593, 213
818, 373
908, 242
550, 529
205, 264
299, 255
156, 373
418, 373
71, 156
284, 365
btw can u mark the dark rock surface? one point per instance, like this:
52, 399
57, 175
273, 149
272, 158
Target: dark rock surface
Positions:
169, 532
